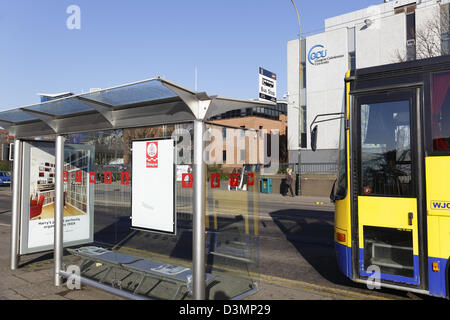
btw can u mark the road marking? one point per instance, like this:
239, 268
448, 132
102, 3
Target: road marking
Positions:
292, 282
336, 292
320, 292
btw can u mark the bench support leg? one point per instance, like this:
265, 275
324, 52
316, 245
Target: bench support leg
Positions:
139, 285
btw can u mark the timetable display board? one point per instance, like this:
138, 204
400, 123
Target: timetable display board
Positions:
153, 185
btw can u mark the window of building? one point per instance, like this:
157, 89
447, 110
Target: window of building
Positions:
410, 26
411, 36
351, 48
303, 63
445, 29
242, 155
445, 44
411, 52
440, 113
303, 134
352, 60
303, 74
405, 9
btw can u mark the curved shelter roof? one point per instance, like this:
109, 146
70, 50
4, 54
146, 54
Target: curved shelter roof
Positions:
150, 102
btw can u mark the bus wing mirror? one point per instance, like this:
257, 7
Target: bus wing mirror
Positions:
332, 194
314, 138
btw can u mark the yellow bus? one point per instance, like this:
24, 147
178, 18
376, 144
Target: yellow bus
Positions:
392, 194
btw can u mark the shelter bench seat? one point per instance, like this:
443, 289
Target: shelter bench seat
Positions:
177, 275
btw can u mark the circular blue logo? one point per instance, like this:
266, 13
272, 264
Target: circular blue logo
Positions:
317, 52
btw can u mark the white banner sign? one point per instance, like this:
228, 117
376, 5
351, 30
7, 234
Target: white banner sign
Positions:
153, 186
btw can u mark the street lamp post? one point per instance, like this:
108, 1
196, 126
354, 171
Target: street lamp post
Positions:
299, 67
299, 95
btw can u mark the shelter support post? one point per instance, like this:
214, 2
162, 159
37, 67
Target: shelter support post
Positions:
16, 212
198, 248
299, 173
59, 207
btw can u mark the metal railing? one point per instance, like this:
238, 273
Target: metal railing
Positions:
321, 168
311, 167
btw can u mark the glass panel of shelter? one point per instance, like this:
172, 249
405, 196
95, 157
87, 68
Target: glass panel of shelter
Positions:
232, 208
230, 221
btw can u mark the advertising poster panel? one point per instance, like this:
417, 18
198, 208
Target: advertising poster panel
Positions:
153, 186
38, 196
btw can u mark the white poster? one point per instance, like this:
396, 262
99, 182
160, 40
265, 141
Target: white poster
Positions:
39, 197
153, 186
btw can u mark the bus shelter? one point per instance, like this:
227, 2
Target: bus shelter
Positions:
115, 183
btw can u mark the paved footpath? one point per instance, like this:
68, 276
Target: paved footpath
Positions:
34, 278
34, 281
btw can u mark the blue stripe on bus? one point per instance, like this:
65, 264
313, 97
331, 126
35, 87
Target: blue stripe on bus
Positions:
344, 259
415, 280
437, 279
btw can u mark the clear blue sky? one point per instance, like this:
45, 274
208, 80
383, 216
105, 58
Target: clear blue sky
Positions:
126, 41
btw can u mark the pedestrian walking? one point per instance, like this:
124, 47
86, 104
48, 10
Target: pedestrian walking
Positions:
289, 180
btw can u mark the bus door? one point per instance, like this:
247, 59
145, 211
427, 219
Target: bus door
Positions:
386, 192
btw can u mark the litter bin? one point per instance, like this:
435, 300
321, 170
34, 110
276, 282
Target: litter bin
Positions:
266, 185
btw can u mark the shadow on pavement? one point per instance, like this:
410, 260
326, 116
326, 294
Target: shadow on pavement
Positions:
311, 233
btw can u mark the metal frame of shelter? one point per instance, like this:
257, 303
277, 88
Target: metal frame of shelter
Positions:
154, 101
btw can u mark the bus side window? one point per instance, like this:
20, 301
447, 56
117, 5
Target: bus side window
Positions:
440, 116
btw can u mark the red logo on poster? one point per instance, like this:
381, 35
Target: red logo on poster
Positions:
251, 179
186, 180
215, 180
234, 180
92, 177
152, 154
78, 176
108, 177
65, 176
124, 178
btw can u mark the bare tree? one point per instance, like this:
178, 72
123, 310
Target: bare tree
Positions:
400, 56
430, 38
431, 35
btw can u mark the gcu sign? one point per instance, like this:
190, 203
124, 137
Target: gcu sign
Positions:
318, 55
317, 52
